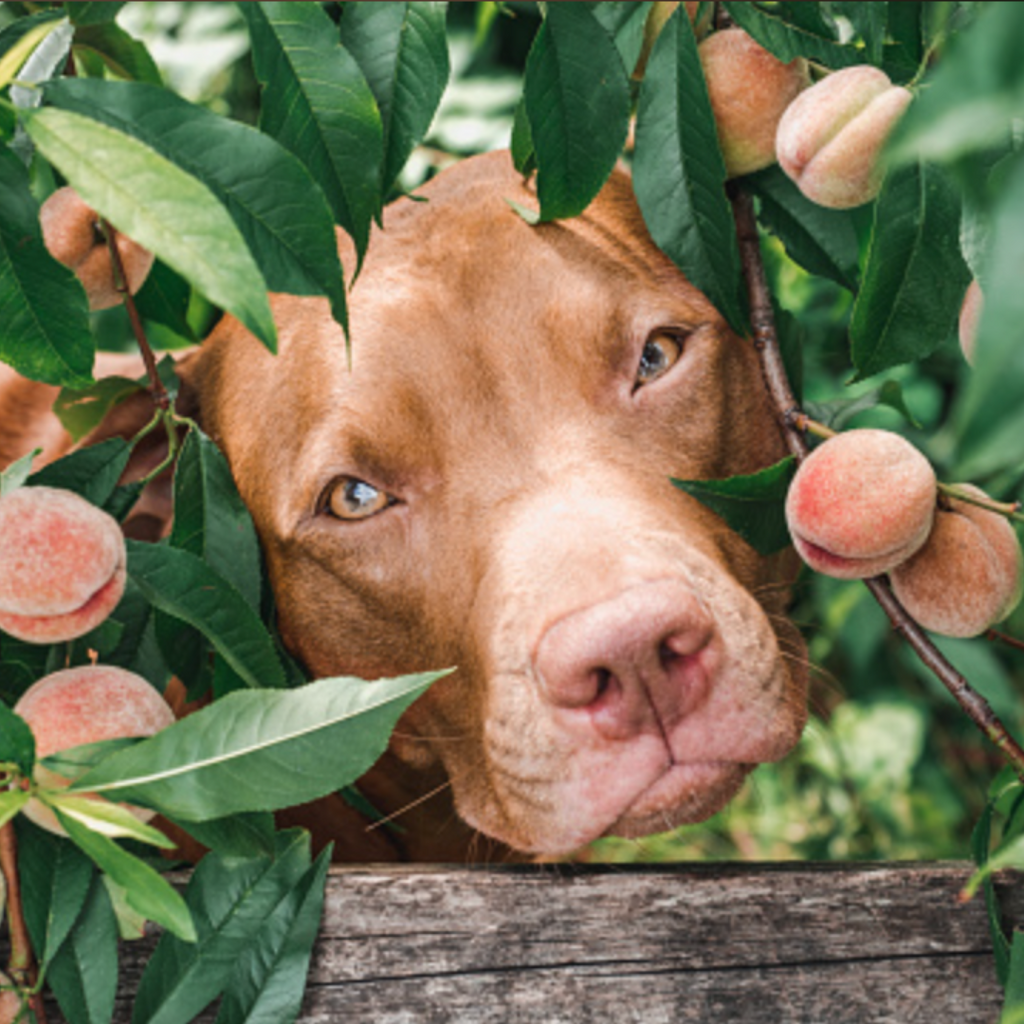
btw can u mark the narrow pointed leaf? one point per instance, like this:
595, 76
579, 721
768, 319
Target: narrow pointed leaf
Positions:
230, 899
154, 202
184, 586
120, 52
402, 49
92, 472
270, 978
17, 744
12, 61
578, 101
753, 506
11, 802
83, 409
107, 819
260, 750
83, 972
317, 104
57, 348
900, 315
679, 174
55, 879
93, 13
146, 890
15, 475
274, 202
787, 31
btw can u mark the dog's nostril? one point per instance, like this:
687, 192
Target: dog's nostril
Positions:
604, 681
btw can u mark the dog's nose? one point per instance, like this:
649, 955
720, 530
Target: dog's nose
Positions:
638, 661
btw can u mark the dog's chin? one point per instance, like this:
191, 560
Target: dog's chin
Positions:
683, 795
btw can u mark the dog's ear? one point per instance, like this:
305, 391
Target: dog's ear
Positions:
28, 422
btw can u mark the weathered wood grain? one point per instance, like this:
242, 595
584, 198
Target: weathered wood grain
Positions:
836, 944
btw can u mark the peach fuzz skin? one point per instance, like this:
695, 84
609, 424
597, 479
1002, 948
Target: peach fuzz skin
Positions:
749, 90
968, 576
830, 137
62, 565
970, 317
86, 705
861, 503
72, 238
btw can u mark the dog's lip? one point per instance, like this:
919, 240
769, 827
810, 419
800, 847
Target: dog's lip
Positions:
681, 794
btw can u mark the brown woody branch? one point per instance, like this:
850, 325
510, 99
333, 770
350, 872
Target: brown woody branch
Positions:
156, 385
790, 419
22, 966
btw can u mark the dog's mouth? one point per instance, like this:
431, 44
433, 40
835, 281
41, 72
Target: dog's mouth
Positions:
683, 794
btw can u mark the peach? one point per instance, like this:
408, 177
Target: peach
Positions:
749, 90
71, 233
861, 503
970, 317
968, 576
830, 138
12, 1003
62, 565
85, 705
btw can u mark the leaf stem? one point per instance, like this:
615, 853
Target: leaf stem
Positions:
156, 386
22, 965
1011, 641
794, 422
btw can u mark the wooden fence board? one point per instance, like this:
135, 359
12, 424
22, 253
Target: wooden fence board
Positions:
755, 944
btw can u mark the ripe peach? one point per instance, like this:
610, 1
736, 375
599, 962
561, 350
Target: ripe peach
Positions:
861, 503
62, 565
12, 1004
749, 90
85, 705
968, 576
970, 317
71, 233
830, 138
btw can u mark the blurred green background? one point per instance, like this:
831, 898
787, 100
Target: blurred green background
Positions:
889, 767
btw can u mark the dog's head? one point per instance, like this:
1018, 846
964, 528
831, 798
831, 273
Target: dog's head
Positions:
488, 487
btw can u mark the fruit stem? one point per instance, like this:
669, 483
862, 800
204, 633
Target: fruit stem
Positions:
1009, 509
996, 637
794, 422
22, 967
156, 386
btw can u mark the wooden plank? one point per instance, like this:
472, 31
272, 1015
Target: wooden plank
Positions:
757, 944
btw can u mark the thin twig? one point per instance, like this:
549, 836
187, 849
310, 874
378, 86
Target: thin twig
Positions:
1002, 638
156, 386
22, 966
793, 422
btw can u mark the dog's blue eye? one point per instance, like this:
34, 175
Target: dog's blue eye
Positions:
660, 354
355, 499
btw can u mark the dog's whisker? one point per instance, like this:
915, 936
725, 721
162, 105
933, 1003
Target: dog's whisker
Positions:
437, 790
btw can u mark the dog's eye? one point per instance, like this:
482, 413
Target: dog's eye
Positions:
660, 354
350, 499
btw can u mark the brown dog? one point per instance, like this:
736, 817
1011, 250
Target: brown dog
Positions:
488, 487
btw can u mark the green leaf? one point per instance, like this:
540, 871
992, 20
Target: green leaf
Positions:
161, 207
164, 299
990, 415
56, 878
900, 315
81, 410
822, 241
55, 348
578, 103
260, 750
124, 55
679, 174
15, 475
1011, 855
523, 157
974, 95
146, 891
182, 585
74, 762
317, 104
11, 803
753, 506
20, 51
99, 12
870, 21
239, 835
17, 744
402, 49
270, 978
210, 519
838, 414
624, 21
107, 819
83, 971
275, 204
231, 899
92, 472
1013, 1006
788, 31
